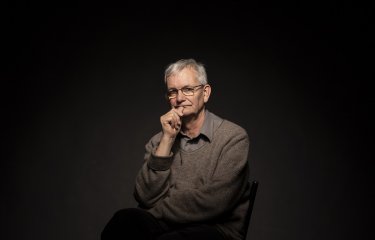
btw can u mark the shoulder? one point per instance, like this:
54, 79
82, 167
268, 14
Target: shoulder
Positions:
224, 124
232, 128
231, 137
229, 131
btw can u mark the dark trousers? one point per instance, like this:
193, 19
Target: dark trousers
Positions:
137, 224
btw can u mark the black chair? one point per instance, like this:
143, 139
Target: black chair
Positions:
253, 192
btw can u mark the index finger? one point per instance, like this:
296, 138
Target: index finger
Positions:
179, 110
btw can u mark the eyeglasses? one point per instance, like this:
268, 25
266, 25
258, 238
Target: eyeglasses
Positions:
187, 91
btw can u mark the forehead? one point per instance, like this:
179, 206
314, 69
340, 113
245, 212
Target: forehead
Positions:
185, 77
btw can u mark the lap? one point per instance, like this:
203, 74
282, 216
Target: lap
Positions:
139, 224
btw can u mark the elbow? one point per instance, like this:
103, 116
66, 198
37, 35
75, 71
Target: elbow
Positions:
144, 201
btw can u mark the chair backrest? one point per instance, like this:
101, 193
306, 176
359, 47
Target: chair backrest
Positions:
253, 192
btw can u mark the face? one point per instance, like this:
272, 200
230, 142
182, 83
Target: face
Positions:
192, 105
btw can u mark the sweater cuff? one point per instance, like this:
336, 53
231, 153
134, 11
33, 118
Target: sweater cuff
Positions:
160, 163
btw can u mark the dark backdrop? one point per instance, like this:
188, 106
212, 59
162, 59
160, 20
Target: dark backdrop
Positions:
82, 92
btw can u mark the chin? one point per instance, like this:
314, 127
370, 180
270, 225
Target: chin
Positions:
187, 112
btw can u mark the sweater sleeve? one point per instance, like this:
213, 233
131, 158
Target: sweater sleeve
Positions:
151, 182
219, 195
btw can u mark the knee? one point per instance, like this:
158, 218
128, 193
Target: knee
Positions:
122, 221
130, 216
129, 223
128, 211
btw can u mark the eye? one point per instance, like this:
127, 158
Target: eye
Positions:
188, 89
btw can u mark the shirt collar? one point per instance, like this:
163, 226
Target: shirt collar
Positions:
209, 126
206, 129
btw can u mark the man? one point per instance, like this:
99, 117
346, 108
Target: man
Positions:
194, 180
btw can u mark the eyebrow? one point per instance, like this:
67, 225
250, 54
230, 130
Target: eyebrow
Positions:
189, 86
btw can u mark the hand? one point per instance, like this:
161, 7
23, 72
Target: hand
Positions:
171, 125
171, 122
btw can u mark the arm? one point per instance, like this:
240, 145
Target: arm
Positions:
152, 180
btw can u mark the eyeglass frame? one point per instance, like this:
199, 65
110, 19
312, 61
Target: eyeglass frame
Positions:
194, 88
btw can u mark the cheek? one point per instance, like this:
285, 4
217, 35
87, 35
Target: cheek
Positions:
172, 102
201, 100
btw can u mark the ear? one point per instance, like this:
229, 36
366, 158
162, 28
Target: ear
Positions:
206, 92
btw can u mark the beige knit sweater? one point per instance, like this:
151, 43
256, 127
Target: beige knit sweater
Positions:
208, 185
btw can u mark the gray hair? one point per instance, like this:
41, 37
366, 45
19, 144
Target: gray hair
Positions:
178, 66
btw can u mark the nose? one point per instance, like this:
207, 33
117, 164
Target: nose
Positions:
180, 96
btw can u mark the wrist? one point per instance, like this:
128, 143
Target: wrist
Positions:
167, 138
165, 146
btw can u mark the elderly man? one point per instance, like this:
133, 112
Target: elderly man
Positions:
194, 181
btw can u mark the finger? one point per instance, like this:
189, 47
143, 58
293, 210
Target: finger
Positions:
167, 120
176, 121
178, 116
171, 120
179, 110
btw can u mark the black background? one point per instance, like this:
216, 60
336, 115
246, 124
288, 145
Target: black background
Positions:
82, 92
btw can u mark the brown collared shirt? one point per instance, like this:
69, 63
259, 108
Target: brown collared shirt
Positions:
210, 124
